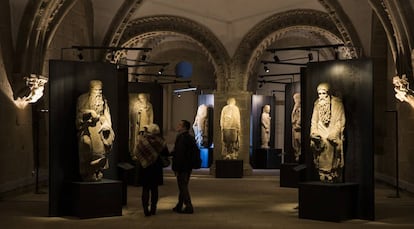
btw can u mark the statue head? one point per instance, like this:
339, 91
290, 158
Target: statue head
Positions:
231, 101
266, 108
96, 86
323, 90
296, 98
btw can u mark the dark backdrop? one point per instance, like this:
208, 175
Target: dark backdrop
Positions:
352, 81
290, 90
155, 92
68, 80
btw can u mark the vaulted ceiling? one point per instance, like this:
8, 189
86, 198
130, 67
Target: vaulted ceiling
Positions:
229, 36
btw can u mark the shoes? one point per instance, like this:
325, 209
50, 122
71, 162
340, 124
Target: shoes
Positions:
153, 210
147, 212
187, 210
177, 208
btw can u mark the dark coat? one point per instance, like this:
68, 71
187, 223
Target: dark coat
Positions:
182, 153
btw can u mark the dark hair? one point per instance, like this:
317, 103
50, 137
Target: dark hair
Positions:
186, 124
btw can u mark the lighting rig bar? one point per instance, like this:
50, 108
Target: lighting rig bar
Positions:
274, 81
176, 82
281, 62
112, 48
280, 74
307, 48
155, 74
145, 64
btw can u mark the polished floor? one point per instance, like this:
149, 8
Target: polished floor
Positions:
254, 201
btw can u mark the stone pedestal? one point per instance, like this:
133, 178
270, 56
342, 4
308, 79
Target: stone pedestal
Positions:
229, 168
289, 177
96, 199
328, 202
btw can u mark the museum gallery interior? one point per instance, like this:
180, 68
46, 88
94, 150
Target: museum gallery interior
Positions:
303, 101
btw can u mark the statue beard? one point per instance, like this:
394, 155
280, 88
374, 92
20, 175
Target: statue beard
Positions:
97, 103
325, 110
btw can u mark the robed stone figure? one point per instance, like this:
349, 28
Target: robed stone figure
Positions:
96, 136
327, 135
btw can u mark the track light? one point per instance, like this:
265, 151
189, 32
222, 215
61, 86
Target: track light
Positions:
310, 56
143, 57
161, 71
266, 69
336, 53
80, 56
112, 56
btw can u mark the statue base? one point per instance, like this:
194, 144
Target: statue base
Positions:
328, 201
96, 199
289, 177
229, 168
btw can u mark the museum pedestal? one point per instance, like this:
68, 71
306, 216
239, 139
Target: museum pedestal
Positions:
229, 168
289, 176
123, 170
96, 199
267, 158
328, 201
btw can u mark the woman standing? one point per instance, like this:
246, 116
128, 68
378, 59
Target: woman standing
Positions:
150, 148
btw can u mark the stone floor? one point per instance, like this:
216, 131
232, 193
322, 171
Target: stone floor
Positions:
255, 201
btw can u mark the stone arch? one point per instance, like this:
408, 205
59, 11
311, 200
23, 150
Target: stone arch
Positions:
263, 35
187, 29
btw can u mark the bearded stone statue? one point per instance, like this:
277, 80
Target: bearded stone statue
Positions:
95, 132
327, 138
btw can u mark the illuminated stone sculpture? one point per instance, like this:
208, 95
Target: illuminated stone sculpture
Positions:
265, 127
200, 126
141, 114
95, 132
34, 91
327, 127
402, 90
230, 129
296, 126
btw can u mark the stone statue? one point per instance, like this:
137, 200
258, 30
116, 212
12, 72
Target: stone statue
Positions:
327, 127
402, 90
265, 127
140, 115
230, 129
200, 126
95, 132
35, 85
296, 126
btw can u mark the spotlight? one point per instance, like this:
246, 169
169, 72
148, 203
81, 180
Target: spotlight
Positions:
310, 56
143, 57
161, 71
276, 59
260, 85
80, 56
266, 69
179, 95
113, 56
336, 53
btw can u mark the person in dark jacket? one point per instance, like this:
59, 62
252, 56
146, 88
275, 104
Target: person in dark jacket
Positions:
151, 146
182, 165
